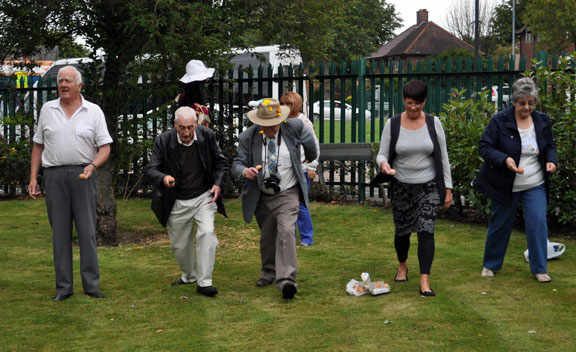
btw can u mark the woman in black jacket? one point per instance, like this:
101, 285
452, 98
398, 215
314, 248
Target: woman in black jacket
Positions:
519, 155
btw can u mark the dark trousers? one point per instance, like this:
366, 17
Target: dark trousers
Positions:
426, 249
71, 201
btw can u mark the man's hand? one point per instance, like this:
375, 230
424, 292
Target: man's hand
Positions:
33, 189
215, 190
88, 171
168, 181
250, 173
551, 168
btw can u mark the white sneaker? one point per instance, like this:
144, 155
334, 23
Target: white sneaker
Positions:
487, 272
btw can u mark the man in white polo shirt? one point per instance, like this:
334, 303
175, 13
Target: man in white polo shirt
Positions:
70, 143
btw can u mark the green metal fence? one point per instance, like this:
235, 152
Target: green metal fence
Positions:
348, 102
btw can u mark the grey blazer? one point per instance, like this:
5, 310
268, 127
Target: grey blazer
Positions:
250, 145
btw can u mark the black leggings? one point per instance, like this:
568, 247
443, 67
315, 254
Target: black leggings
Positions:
425, 249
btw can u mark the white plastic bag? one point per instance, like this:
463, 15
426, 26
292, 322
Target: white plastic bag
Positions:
350, 288
555, 250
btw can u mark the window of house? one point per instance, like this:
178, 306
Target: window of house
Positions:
529, 37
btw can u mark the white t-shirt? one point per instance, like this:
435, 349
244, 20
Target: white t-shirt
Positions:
74, 140
529, 161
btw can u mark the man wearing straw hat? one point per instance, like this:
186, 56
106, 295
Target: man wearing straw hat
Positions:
269, 162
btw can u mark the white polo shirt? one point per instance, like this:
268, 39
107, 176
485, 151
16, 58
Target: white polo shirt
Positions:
71, 141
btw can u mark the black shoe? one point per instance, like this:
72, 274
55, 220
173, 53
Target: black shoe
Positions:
430, 293
95, 294
263, 283
60, 297
403, 280
288, 291
180, 282
208, 291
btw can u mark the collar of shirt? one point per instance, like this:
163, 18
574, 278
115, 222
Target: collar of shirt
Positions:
265, 139
189, 144
58, 106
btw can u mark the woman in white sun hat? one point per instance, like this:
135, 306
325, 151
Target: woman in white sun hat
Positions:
193, 82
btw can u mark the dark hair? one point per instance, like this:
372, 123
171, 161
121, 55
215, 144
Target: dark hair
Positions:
192, 94
416, 90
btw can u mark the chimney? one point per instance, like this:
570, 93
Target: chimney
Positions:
421, 16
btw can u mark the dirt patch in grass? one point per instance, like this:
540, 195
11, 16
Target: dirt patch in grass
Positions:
141, 238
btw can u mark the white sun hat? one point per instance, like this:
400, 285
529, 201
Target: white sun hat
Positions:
196, 71
555, 250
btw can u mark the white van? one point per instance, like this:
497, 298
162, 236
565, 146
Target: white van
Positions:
265, 55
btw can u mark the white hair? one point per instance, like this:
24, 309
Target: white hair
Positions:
185, 112
524, 88
76, 72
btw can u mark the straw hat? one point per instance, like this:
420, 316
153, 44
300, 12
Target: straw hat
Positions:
196, 71
269, 113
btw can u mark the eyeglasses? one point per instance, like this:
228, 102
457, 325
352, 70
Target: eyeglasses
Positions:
530, 102
412, 103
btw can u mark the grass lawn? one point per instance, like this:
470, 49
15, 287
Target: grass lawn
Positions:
142, 312
347, 131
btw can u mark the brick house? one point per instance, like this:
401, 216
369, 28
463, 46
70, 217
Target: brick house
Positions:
529, 43
418, 41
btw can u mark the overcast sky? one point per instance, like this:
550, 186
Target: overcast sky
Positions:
407, 9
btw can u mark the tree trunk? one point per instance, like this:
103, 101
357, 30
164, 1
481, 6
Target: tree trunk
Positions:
106, 225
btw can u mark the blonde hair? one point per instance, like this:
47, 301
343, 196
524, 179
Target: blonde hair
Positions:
294, 102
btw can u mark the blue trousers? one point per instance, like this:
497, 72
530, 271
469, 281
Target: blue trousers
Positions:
533, 203
304, 220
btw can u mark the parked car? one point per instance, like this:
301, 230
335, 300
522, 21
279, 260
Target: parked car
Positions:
337, 110
505, 95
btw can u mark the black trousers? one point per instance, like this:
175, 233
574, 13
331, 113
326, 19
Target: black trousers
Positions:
426, 249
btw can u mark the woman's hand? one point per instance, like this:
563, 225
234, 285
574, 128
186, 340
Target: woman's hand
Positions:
511, 164
448, 200
311, 174
551, 168
386, 169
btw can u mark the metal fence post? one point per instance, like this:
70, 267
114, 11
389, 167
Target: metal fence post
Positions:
362, 125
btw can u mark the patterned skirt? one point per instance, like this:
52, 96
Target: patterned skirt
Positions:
414, 206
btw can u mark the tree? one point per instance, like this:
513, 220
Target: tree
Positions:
460, 21
502, 21
320, 30
365, 26
554, 21
27, 26
140, 36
